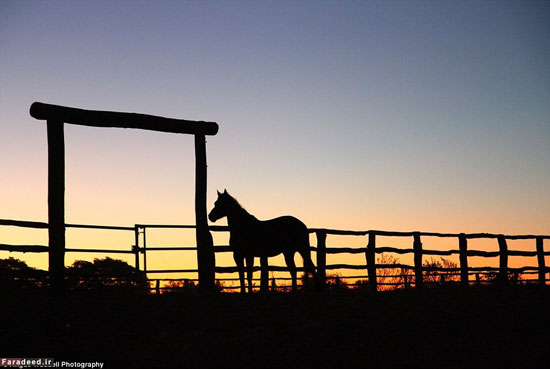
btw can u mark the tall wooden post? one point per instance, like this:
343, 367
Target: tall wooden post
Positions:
417, 247
503, 247
205, 245
542, 264
370, 255
321, 257
56, 205
463, 256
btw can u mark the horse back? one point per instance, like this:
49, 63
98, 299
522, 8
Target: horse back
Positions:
272, 237
284, 234
285, 223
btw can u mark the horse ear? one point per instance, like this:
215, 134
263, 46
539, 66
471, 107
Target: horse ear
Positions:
224, 191
219, 194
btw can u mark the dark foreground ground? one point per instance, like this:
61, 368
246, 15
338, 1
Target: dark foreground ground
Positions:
477, 328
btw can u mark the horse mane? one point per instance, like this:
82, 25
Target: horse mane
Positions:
234, 202
234, 206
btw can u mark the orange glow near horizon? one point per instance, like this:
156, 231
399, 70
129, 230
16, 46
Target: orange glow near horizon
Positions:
176, 260
123, 187
90, 199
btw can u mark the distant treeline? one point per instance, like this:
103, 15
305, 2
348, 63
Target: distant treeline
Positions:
102, 274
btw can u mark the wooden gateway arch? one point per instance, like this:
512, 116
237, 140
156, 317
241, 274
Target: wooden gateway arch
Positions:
56, 116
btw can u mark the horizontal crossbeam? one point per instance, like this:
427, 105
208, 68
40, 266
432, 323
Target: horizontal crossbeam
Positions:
110, 119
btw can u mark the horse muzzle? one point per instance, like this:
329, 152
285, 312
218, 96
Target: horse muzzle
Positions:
213, 216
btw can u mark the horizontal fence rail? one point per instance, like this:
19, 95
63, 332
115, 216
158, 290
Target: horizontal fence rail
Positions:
416, 275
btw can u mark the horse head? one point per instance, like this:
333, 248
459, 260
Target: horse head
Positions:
223, 206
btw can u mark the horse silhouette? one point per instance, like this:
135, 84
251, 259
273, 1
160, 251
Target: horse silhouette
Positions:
250, 237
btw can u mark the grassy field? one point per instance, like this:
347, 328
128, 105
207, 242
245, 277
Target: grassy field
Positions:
436, 328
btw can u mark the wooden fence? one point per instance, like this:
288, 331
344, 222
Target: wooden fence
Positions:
418, 269
418, 252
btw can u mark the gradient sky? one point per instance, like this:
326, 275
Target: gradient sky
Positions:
401, 115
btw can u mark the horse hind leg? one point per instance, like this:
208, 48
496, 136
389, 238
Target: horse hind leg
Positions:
264, 266
289, 258
309, 267
249, 271
304, 249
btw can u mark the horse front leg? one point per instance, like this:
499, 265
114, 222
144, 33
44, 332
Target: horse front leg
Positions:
264, 284
249, 271
239, 260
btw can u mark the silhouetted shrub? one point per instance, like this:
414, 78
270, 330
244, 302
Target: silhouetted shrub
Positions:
434, 275
186, 286
180, 287
388, 278
494, 278
361, 284
334, 281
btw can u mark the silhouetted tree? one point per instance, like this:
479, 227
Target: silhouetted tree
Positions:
17, 276
106, 274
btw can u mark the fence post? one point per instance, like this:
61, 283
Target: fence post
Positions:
370, 255
463, 248
321, 257
205, 245
542, 264
56, 205
503, 247
417, 247
135, 249
144, 253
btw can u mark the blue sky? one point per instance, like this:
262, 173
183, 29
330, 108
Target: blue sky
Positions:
359, 115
